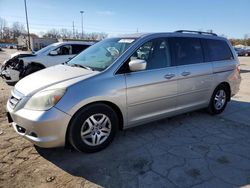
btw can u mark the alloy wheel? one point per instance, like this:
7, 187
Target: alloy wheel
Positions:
95, 129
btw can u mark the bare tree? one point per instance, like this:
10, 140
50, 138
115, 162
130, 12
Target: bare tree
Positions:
53, 33
102, 36
3, 24
95, 36
17, 29
66, 33
7, 33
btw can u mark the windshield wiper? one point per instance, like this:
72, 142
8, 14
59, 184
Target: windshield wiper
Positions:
82, 66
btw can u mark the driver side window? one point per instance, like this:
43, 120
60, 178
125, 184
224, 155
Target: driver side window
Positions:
64, 50
155, 53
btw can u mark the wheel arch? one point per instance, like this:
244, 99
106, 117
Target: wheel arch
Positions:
228, 88
108, 103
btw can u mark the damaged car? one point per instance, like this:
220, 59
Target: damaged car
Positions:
21, 65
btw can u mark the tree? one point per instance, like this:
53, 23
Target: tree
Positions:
17, 29
7, 34
95, 36
66, 33
3, 24
248, 42
53, 33
245, 39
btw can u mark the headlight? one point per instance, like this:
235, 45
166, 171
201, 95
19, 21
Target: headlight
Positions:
44, 100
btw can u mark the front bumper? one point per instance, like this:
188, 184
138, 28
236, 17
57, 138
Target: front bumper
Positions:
9, 75
43, 128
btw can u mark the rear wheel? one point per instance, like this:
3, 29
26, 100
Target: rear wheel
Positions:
218, 100
93, 128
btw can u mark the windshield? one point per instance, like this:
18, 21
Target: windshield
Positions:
102, 54
46, 49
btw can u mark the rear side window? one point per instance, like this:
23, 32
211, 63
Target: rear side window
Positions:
218, 50
187, 50
77, 48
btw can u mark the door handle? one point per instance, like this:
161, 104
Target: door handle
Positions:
185, 73
169, 76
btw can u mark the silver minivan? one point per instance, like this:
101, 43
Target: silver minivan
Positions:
123, 82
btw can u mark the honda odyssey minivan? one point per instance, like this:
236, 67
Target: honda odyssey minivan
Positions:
112, 86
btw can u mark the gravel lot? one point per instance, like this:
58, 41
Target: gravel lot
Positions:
190, 150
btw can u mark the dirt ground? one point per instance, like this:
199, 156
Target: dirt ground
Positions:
190, 150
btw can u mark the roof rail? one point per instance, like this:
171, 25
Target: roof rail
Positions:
198, 32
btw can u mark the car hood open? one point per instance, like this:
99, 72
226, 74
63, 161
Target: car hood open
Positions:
48, 77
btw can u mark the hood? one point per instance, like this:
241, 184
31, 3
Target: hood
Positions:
48, 77
21, 54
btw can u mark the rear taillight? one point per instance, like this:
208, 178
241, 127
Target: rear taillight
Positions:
238, 68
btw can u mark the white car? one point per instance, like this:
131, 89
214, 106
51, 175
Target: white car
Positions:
21, 65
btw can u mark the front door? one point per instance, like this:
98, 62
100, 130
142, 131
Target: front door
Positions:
151, 93
64, 54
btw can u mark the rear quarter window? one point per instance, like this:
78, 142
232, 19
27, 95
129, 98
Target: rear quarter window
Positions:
187, 50
77, 48
218, 50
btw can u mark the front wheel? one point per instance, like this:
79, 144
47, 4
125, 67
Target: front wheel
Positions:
93, 128
218, 100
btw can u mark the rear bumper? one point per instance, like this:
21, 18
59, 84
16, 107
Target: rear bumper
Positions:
43, 128
235, 85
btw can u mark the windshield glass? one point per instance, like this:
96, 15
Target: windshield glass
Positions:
46, 49
102, 54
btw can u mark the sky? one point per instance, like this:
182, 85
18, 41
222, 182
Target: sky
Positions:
115, 17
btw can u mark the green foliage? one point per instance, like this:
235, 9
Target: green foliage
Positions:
245, 42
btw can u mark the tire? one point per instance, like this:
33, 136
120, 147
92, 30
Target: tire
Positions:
93, 123
31, 69
218, 101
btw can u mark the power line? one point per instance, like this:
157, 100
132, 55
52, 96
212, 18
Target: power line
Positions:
89, 28
90, 25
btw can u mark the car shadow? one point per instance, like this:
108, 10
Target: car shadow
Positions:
244, 71
166, 152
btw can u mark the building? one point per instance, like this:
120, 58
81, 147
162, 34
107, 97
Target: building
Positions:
36, 43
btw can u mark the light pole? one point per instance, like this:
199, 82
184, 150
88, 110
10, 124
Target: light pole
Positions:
82, 21
27, 22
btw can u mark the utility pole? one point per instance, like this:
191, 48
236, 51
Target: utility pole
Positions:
82, 21
27, 22
73, 30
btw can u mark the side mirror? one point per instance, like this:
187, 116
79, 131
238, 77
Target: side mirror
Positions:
54, 52
137, 65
